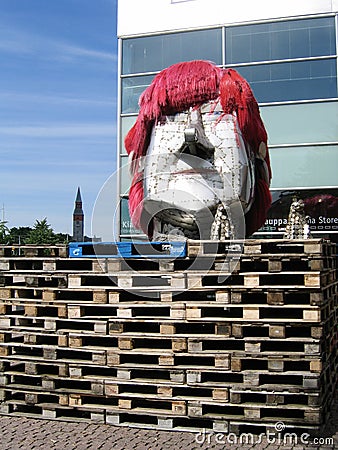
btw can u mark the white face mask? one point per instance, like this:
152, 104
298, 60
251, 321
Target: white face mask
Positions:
197, 160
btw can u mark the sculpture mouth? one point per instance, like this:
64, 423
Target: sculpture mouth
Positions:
201, 171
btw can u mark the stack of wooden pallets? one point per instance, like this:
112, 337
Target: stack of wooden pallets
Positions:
213, 340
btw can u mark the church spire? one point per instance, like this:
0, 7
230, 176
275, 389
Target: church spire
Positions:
78, 219
78, 196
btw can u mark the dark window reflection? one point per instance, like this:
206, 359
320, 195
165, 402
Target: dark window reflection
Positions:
302, 80
154, 53
132, 88
280, 40
321, 207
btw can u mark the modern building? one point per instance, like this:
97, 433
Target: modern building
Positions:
78, 219
288, 53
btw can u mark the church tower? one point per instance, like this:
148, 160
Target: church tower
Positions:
78, 219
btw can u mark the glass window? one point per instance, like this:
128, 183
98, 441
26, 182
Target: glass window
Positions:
126, 225
126, 123
303, 80
125, 178
304, 166
132, 88
303, 122
280, 40
154, 53
321, 205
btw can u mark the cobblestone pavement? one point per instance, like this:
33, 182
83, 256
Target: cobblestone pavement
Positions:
29, 434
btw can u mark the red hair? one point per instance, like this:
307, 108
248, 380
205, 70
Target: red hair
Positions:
190, 84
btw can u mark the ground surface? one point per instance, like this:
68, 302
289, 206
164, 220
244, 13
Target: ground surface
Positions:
28, 434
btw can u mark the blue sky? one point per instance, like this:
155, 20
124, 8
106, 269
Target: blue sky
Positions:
58, 83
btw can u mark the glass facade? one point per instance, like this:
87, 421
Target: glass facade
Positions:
292, 81
283, 61
304, 166
125, 178
291, 66
299, 123
132, 88
319, 205
280, 40
154, 53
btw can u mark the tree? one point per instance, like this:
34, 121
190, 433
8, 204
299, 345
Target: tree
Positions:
61, 238
19, 235
41, 233
4, 232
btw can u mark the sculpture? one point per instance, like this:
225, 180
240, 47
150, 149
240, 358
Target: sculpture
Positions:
297, 226
198, 156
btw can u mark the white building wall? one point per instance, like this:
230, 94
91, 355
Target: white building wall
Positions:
150, 16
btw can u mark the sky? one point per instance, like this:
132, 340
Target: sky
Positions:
58, 95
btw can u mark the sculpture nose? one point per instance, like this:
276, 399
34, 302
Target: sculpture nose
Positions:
195, 140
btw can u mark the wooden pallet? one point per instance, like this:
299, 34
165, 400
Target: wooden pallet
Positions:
173, 249
214, 279
33, 250
207, 409
126, 281
275, 355
166, 419
221, 321
247, 263
216, 340
274, 295
170, 384
52, 264
281, 280
54, 295
310, 247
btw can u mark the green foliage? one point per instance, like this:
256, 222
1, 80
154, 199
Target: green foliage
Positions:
61, 238
4, 233
41, 233
19, 235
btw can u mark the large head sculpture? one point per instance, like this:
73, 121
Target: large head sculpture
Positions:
198, 155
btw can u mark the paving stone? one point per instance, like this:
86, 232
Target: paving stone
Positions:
32, 434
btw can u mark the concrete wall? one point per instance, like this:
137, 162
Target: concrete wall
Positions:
147, 16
